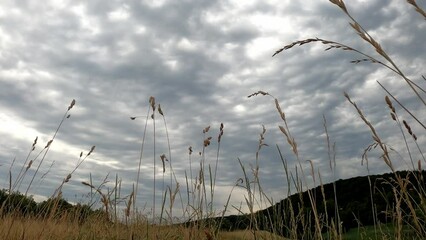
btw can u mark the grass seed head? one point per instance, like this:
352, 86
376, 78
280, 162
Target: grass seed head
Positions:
389, 103
35, 141
280, 111
220, 133
71, 104
129, 204
163, 160
393, 116
257, 93
88, 184
160, 110
91, 150
67, 179
207, 141
407, 127
152, 102
205, 130
48, 143
29, 165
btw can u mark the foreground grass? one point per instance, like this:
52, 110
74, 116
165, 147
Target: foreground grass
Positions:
248, 235
379, 232
295, 221
13, 227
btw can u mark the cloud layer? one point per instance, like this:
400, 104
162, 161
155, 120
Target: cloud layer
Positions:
200, 60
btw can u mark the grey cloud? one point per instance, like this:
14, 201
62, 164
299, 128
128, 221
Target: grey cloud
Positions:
201, 73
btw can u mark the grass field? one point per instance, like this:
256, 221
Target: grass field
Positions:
118, 217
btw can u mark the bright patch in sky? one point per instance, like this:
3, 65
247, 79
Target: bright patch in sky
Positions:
155, 3
14, 127
172, 64
239, 109
119, 14
185, 44
262, 46
87, 22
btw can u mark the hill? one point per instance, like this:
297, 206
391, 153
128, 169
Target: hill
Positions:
349, 202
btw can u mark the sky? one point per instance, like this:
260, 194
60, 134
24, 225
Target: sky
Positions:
199, 60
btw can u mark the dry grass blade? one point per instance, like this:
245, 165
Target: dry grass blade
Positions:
257, 93
207, 141
160, 110
71, 105
163, 160
261, 141
280, 111
418, 9
337, 45
401, 105
364, 60
29, 165
389, 103
67, 179
129, 204
48, 143
375, 136
300, 43
366, 37
152, 103
340, 4
205, 130
220, 133
312, 170
360, 31
35, 142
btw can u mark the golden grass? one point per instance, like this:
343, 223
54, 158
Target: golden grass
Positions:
13, 227
248, 235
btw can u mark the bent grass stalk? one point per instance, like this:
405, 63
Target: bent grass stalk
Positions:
172, 173
22, 172
140, 161
47, 147
293, 144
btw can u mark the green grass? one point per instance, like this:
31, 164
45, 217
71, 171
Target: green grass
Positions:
381, 231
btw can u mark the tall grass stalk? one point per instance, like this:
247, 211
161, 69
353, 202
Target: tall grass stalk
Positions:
47, 147
153, 106
331, 152
140, 161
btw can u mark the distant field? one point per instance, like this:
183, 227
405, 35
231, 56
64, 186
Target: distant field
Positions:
248, 235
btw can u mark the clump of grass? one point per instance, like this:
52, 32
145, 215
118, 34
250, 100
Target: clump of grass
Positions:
401, 185
296, 218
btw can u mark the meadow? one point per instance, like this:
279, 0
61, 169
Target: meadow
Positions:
307, 214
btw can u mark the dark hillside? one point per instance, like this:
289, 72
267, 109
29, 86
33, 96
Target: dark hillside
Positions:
354, 204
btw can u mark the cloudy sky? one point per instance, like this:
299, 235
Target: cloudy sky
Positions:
200, 60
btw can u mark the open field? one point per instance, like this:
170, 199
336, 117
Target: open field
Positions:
392, 206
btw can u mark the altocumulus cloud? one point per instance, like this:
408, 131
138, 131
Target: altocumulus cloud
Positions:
200, 60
